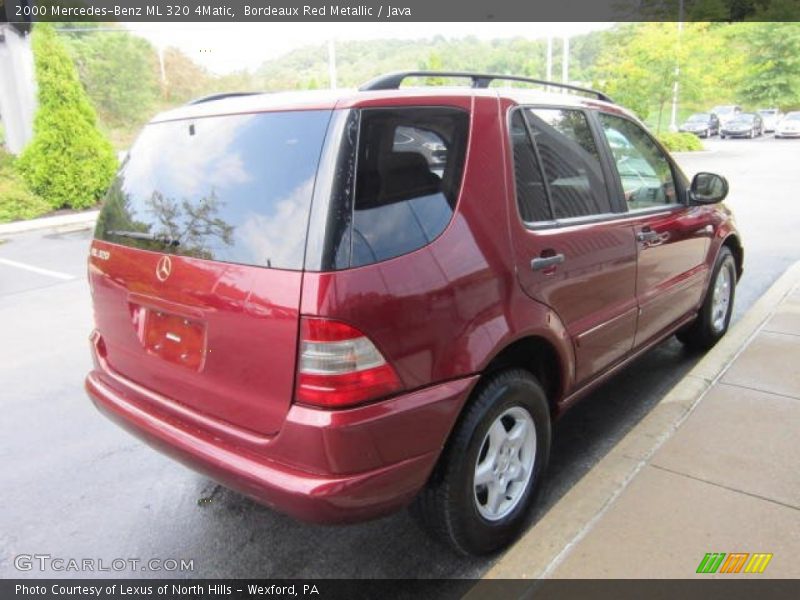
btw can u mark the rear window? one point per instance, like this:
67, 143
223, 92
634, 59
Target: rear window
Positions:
231, 188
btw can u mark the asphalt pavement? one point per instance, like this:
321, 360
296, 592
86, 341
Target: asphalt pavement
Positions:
77, 486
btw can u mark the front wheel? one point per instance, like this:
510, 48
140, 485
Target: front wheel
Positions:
486, 480
715, 315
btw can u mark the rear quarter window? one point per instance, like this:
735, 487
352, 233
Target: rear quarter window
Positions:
409, 164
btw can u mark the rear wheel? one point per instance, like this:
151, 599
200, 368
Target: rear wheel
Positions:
715, 315
484, 485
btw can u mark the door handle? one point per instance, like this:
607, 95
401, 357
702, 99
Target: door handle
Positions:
648, 236
544, 262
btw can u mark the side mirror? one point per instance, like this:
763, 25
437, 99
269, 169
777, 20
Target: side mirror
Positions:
708, 188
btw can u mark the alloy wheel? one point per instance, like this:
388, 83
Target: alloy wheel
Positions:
721, 299
505, 464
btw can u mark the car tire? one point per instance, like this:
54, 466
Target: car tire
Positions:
476, 518
722, 136
715, 314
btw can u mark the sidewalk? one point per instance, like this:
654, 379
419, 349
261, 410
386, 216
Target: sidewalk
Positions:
79, 219
714, 468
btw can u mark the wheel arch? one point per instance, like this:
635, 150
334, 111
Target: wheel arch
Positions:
537, 355
734, 244
533, 353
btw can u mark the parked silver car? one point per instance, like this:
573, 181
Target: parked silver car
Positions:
725, 113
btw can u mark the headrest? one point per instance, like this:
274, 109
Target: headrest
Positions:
406, 175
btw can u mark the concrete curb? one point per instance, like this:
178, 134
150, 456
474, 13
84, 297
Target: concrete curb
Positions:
76, 220
545, 545
693, 152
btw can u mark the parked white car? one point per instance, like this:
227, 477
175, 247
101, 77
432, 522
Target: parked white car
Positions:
771, 117
789, 126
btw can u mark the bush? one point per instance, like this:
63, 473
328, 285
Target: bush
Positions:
69, 162
680, 142
16, 200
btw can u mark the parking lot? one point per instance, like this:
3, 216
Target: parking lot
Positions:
77, 486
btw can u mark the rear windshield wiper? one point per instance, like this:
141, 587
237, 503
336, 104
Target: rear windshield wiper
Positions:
143, 235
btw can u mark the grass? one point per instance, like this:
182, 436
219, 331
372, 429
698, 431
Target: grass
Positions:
17, 202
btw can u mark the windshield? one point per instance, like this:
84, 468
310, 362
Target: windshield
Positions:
743, 118
792, 117
698, 118
231, 188
768, 113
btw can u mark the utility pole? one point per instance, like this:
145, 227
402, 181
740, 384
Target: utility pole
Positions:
565, 61
549, 75
332, 63
162, 68
673, 122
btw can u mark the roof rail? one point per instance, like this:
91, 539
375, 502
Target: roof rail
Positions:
220, 96
392, 81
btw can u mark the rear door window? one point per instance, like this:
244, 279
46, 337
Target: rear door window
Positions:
230, 188
531, 192
570, 162
409, 167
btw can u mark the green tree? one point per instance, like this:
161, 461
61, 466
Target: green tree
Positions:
185, 79
119, 71
69, 162
638, 66
772, 70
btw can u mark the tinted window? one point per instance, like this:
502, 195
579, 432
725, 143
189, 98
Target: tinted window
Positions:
531, 193
409, 165
646, 174
234, 188
570, 162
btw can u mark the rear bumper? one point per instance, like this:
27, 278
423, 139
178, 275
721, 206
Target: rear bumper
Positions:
400, 438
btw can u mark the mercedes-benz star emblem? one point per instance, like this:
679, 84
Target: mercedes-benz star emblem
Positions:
164, 268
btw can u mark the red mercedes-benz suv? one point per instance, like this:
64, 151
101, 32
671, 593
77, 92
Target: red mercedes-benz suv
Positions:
342, 303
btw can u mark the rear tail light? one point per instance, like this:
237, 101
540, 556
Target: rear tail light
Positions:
339, 366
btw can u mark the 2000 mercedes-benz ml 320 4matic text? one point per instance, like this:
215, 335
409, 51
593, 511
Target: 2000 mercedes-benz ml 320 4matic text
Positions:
343, 303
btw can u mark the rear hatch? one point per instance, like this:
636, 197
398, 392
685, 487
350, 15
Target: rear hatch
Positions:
196, 266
